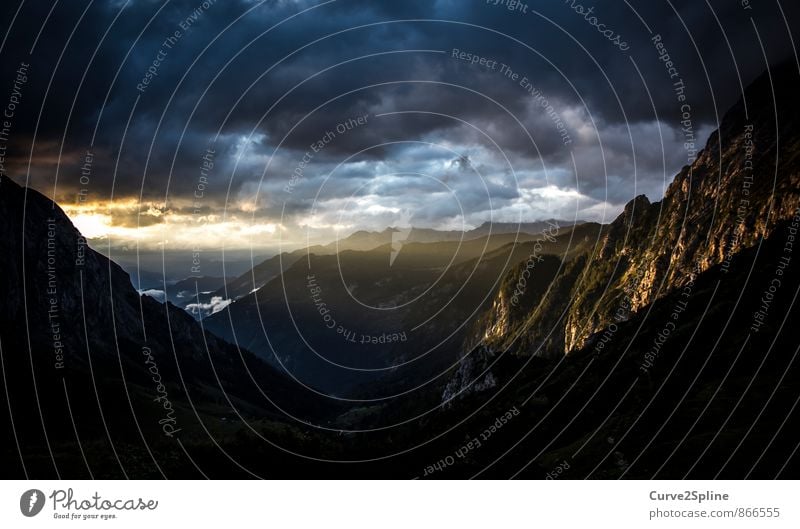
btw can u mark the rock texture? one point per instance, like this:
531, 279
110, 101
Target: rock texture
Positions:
744, 182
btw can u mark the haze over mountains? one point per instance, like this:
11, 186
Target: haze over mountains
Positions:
639, 348
205, 295
420, 298
486, 237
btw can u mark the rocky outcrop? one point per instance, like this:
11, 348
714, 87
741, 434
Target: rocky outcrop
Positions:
744, 182
472, 376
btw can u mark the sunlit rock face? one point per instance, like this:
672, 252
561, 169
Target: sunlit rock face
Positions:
729, 198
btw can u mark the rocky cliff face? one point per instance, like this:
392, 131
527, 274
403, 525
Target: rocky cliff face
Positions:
744, 182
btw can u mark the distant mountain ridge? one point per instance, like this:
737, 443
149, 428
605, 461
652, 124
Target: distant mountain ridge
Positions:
497, 234
486, 229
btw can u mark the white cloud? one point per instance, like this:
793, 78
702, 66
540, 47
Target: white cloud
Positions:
158, 295
212, 307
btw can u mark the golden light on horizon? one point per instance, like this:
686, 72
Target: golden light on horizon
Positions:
154, 226
93, 225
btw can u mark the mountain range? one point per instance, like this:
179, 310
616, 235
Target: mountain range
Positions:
659, 345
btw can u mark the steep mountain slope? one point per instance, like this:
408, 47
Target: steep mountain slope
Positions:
100, 379
745, 181
700, 383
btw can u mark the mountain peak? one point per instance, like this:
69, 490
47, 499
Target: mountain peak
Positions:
640, 202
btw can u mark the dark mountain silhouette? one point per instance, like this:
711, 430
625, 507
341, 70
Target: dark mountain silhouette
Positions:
91, 365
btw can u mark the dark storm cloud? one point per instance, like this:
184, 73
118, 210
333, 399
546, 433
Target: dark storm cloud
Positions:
270, 81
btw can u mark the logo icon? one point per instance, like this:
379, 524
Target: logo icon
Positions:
31, 502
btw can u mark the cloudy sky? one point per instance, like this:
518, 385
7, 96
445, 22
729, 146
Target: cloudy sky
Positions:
182, 123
